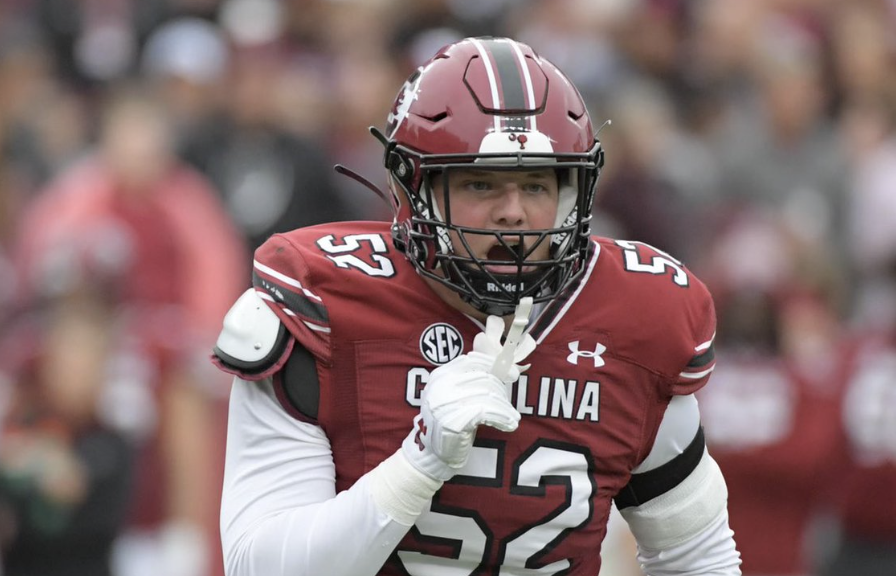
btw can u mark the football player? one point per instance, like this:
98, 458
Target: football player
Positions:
468, 390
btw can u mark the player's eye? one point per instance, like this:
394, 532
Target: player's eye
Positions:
535, 188
478, 185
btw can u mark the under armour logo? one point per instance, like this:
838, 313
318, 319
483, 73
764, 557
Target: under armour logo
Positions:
521, 139
575, 354
418, 437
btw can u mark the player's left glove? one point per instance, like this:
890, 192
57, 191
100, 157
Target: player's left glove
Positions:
465, 393
459, 397
502, 360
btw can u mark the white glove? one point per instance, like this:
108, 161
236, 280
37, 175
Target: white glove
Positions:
459, 397
488, 350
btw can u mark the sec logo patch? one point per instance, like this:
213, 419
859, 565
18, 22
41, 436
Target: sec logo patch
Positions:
441, 343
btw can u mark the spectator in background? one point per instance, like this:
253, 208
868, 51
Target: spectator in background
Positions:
862, 495
863, 58
770, 410
364, 73
861, 37
270, 179
653, 195
9, 210
43, 124
185, 61
135, 177
781, 151
869, 128
65, 470
164, 222
97, 41
578, 36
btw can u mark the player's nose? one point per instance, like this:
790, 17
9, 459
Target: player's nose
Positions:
510, 209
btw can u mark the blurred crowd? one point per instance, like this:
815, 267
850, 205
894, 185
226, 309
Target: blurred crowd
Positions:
149, 146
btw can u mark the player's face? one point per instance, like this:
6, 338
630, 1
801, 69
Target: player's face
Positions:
505, 201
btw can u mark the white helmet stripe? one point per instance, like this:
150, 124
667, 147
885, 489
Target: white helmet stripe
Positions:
527, 80
492, 83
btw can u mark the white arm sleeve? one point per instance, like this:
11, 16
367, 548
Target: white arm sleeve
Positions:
280, 514
684, 532
677, 429
711, 552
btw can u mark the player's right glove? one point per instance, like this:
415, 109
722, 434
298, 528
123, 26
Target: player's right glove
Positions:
459, 397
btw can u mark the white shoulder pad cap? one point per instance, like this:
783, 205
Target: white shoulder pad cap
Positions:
251, 330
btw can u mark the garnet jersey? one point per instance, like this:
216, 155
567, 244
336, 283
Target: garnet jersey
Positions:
868, 416
635, 330
769, 428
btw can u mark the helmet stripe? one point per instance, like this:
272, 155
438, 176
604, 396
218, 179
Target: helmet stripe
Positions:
527, 79
509, 74
513, 82
492, 81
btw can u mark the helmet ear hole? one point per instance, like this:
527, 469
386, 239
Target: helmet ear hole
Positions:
417, 250
402, 167
400, 237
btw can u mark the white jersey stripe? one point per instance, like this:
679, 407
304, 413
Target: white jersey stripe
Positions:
288, 312
269, 298
706, 344
285, 279
264, 295
697, 375
575, 295
315, 327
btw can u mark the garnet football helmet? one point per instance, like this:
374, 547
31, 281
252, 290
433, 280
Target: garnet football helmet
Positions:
490, 103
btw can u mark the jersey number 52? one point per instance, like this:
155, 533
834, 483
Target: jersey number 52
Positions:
345, 256
545, 462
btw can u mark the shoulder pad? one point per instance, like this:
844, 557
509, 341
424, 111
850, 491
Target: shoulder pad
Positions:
253, 340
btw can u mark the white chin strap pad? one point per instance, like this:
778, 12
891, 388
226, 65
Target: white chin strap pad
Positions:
251, 330
683, 512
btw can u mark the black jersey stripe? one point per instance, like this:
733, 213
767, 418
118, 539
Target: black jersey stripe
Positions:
295, 301
702, 359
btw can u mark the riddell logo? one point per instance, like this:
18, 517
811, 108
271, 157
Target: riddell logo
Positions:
441, 343
506, 287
